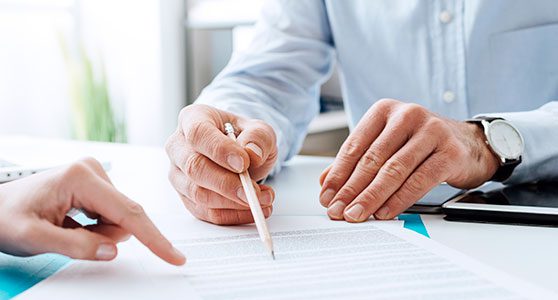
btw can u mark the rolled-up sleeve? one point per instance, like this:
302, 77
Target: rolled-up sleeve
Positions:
277, 79
539, 129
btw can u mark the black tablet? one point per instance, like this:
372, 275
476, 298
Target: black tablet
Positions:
432, 202
535, 204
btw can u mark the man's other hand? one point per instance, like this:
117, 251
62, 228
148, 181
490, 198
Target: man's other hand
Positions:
396, 154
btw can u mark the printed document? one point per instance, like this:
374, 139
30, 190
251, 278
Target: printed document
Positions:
315, 259
360, 261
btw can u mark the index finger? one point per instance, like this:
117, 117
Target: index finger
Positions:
99, 196
209, 139
352, 150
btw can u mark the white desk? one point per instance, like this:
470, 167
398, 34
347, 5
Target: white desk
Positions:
530, 253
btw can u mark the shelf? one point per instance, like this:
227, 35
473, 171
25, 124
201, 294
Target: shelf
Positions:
328, 121
223, 14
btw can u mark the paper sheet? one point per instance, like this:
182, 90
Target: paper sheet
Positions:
355, 262
316, 258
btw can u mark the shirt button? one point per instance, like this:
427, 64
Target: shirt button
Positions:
445, 17
448, 96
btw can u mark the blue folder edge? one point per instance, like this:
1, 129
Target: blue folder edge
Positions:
414, 223
18, 274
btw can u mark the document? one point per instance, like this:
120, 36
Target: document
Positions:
315, 259
359, 261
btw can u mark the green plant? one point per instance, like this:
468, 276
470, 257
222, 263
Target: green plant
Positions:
93, 115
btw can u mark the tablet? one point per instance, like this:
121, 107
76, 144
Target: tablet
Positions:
535, 204
432, 202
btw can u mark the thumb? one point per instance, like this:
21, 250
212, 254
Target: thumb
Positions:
77, 243
259, 141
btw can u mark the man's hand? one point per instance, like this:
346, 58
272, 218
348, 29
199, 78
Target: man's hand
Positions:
205, 164
396, 154
33, 216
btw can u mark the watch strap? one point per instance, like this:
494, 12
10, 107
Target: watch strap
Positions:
506, 166
505, 170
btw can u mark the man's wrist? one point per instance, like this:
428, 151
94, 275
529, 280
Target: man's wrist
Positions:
488, 159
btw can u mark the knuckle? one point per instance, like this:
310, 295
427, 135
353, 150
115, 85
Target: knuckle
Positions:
370, 195
348, 192
371, 161
396, 202
416, 183
196, 131
332, 181
194, 164
435, 126
191, 206
172, 176
169, 144
413, 111
134, 209
351, 149
455, 150
385, 104
259, 124
198, 194
268, 129
76, 170
178, 182
395, 169
263, 130
184, 113
90, 161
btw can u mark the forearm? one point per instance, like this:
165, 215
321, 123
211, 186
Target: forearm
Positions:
277, 78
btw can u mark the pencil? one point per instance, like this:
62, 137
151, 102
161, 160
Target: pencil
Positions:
253, 202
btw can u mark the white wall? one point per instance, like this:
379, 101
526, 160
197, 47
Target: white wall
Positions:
33, 82
140, 43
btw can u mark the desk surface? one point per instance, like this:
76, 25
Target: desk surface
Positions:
529, 253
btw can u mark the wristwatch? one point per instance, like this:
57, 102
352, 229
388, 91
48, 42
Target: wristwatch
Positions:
505, 141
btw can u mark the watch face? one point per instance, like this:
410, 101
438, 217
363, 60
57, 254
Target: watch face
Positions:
505, 140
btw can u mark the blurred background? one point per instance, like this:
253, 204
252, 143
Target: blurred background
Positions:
121, 70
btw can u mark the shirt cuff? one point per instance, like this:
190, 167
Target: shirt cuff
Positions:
539, 129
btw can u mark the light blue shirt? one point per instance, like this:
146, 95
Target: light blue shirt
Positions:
458, 58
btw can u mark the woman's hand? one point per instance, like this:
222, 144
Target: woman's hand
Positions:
33, 216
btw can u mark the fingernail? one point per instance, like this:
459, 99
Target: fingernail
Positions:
335, 211
355, 213
105, 252
236, 162
327, 196
241, 195
125, 238
383, 212
266, 199
179, 254
256, 149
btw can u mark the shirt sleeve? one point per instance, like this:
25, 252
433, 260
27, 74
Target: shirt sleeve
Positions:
539, 129
277, 79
